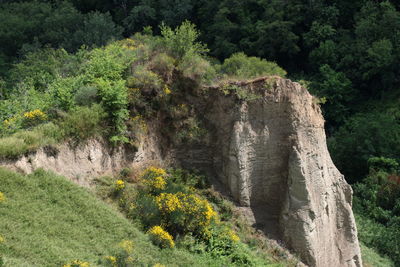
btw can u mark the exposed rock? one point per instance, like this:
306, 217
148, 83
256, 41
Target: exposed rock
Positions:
84, 162
270, 154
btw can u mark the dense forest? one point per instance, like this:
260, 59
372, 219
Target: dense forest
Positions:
347, 53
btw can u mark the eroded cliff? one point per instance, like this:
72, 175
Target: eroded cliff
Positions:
270, 154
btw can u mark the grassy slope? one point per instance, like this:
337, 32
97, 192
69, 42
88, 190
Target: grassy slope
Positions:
371, 258
47, 221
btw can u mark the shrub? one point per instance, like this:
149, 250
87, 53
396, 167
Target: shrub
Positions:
82, 123
161, 237
184, 213
2, 199
34, 117
155, 179
114, 99
86, 96
145, 79
196, 68
182, 40
119, 185
241, 66
163, 65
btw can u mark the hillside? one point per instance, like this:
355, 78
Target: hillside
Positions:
49, 221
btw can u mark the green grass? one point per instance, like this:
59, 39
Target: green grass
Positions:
371, 258
29, 140
48, 221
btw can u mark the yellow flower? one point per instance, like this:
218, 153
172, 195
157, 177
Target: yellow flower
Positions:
167, 91
233, 236
154, 171
159, 265
35, 114
161, 237
127, 246
2, 197
111, 259
158, 183
168, 202
119, 184
2, 240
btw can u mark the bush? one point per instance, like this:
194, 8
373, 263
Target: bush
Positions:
82, 123
185, 213
146, 80
240, 66
161, 237
182, 41
86, 96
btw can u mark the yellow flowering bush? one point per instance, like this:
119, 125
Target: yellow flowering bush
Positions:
2, 240
119, 185
154, 178
161, 237
2, 197
77, 263
34, 117
183, 212
159, 265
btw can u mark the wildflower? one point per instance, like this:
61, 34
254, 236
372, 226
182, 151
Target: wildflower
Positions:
161, 237
127, 246
158, 183
119, 185
36, 114
112, 260
159, 265
2, 240
168, 202
2, 197
167, 91
233, 236
154, 171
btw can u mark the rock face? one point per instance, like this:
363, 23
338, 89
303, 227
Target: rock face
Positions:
270, 154
84, 162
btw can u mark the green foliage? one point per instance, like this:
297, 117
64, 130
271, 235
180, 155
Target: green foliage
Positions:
86, 96
240, 66
366, 135
29, 140
82, 123
182, 41
336, 88
114, 98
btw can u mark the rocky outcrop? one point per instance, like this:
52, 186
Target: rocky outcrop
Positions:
268, 151
271, 155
